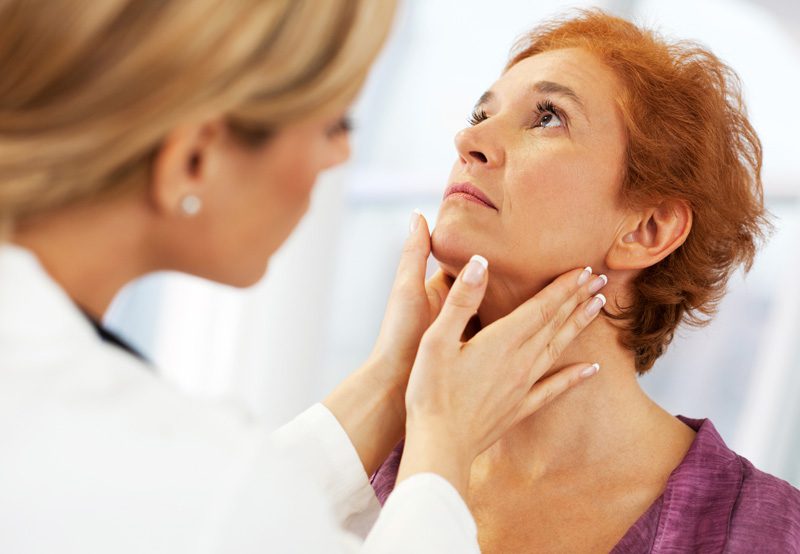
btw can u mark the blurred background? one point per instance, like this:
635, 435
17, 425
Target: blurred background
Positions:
280, 346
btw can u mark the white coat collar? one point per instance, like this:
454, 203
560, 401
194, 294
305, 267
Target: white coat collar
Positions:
34, 310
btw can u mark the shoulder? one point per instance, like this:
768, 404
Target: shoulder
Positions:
716, 500
767, 512
98, 438
109, 415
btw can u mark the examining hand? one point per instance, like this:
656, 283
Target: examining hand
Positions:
463, 396
370, 403
413, 305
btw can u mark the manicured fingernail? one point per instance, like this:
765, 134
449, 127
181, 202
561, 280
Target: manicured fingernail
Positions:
591, 370
584, 276
413, 223
595, 305
476, 268
599, 282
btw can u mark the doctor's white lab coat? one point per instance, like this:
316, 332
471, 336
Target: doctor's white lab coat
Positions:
97, 455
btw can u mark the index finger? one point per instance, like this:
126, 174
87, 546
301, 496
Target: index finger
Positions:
437, 288
540, 310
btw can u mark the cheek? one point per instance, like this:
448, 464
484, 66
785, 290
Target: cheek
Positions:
280, 196
265, 195
548, 196
565, 210
287, 181
286, 173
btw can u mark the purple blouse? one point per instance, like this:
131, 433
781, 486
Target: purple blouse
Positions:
714, 501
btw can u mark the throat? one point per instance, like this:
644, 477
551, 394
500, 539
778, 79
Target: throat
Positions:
586, 504
603, 427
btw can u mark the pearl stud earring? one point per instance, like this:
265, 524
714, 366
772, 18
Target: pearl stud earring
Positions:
191, 204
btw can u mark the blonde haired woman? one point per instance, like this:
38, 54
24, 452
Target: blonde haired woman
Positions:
140, 135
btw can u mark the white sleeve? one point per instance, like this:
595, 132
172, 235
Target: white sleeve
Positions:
316, 442
424, 514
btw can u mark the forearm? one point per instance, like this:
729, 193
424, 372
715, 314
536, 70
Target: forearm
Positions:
372, 413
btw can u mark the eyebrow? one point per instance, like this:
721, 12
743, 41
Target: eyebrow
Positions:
544, 87
485, 98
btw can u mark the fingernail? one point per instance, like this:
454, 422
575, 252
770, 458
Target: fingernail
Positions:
476, 268
584, 276
599, 282
414, 221
595, 305
591, 370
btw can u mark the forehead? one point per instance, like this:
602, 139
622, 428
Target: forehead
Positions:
593, 81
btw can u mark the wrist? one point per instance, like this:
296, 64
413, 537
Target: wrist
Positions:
436, 435
371, 410
428, 450
389, 380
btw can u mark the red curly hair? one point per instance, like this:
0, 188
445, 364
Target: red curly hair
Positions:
688, 138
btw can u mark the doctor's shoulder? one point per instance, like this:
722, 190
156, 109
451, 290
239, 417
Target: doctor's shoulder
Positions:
97, 452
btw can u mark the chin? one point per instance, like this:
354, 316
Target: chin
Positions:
453, 244
454, 241
246, 281
242, 276
252, 276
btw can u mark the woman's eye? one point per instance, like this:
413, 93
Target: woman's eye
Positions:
548, 115
550, 120
477, 116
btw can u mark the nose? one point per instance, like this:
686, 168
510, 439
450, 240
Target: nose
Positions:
475, 147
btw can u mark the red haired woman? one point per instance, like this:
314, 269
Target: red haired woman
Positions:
602, 141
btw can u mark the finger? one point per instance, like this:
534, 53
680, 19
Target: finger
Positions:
437, 288
547, 307
567, 309
544, 391
580, 318
463, 300
414, 257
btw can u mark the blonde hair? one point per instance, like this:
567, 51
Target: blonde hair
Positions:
90, 89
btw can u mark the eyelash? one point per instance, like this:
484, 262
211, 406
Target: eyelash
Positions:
477, 116
542, 108
342, 127
547, 107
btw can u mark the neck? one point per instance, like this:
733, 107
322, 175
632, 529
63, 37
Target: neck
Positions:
90, 251
605, 422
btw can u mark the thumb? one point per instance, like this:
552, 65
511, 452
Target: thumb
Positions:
463, 299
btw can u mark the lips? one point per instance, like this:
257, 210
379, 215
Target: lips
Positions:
471, 192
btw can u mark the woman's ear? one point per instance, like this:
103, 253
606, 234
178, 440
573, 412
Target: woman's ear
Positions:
178, 168
648, 236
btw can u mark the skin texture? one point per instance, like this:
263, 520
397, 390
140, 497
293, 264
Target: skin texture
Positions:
574, 476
